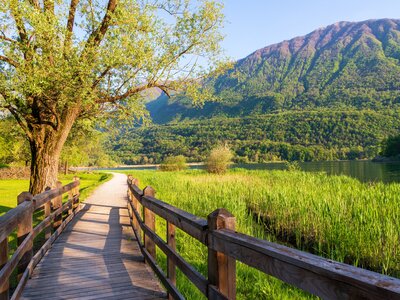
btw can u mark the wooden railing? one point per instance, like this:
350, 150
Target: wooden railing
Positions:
56, 216
319, 276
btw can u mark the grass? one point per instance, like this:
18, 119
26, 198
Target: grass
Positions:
332, 216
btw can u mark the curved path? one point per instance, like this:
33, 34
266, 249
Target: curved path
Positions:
97, 255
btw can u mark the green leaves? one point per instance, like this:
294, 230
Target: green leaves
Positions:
109, 52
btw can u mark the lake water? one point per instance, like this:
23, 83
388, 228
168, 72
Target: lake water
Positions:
365, 171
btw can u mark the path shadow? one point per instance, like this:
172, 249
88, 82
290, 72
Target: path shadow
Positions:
90, 261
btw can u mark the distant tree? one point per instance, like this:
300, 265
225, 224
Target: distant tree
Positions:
61, 61
391, 146
219, 160
174, 163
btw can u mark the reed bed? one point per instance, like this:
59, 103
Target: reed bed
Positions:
332, 216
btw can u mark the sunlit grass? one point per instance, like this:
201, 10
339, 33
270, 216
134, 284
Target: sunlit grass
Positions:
333, 216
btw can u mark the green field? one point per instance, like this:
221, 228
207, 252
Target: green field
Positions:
333, 216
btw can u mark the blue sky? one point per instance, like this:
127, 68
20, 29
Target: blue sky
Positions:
253, 24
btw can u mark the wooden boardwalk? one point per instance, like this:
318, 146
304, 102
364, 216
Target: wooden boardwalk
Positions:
97, 256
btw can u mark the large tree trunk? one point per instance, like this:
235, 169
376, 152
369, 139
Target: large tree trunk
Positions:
46, 144
44, 165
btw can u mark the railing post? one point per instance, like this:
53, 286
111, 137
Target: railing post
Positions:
57, 203
222, 268
4, 295
150, 221
130, 198
75, 202
171, 268
138, 208
23, 229
47, 212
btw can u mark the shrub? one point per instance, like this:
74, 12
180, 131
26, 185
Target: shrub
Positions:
219, 160
292, 166
173, 163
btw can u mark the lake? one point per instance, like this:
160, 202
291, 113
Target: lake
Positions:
363, 170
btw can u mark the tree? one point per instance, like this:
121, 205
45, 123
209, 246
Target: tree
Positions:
61, 61
219, 160
391, 146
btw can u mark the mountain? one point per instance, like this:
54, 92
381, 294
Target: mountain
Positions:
344, 65
331, 94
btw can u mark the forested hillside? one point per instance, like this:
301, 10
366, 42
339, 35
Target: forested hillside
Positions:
343, 65
297, 135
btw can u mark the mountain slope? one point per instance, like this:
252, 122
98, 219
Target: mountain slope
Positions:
342, 65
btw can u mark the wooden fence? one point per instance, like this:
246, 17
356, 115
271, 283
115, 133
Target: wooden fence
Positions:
322, 277
55, 214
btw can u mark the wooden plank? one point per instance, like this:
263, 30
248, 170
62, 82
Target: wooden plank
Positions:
47, 221
137, 192
193, 275
40, 253
150, 221
214, 293
172, 290
24, 229
222, 268
10, 220
91, 290
56, 204
171, 268
322, 277
4, 285
12, 263
191, 224
47, 212
96, 257
40, 199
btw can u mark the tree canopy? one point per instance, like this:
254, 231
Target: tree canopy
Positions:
62, 60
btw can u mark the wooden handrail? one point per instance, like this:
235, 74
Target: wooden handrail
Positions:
20, 217
320, 276
41, 199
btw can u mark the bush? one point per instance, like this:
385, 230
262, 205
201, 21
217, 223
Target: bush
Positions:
219, 160
292, 166
174, 163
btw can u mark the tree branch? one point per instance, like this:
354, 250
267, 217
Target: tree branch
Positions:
15, 13
5, 38
97, 36
135, 90
70, 22
113, 99
48, 5
35, 3
9, 61
20, 122
97, 81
